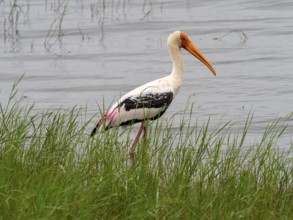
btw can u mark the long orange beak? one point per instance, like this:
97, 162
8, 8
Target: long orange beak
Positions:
191, 48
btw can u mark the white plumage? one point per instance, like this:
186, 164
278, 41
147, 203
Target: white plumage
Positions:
160, 86
151, 100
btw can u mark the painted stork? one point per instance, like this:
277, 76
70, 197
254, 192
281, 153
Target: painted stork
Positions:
151, 100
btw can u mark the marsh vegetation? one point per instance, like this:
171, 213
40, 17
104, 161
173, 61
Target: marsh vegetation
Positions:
51, 168
197, 164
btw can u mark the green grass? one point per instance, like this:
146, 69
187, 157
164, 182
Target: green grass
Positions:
51, 169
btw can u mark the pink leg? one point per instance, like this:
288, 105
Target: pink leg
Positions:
144, 133
132, 149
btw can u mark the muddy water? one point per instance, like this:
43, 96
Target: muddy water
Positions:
88, 52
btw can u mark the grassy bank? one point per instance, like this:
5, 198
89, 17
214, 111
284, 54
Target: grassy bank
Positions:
51, 169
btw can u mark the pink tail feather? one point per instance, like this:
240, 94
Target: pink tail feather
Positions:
100, 123
108, 117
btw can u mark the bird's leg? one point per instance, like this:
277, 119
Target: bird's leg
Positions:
144, 133
132, 149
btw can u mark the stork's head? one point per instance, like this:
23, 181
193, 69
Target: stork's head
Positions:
181, 40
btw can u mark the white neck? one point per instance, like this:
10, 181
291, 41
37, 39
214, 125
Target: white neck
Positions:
177, 73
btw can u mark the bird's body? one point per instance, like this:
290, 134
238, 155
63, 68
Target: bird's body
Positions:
151, 100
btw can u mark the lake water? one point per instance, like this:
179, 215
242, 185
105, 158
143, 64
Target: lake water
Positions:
87, 52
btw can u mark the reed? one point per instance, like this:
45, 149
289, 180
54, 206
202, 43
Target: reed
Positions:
51, 169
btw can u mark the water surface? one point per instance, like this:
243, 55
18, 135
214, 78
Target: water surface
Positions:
88, 52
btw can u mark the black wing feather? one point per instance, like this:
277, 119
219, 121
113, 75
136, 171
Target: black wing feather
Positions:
149, 100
